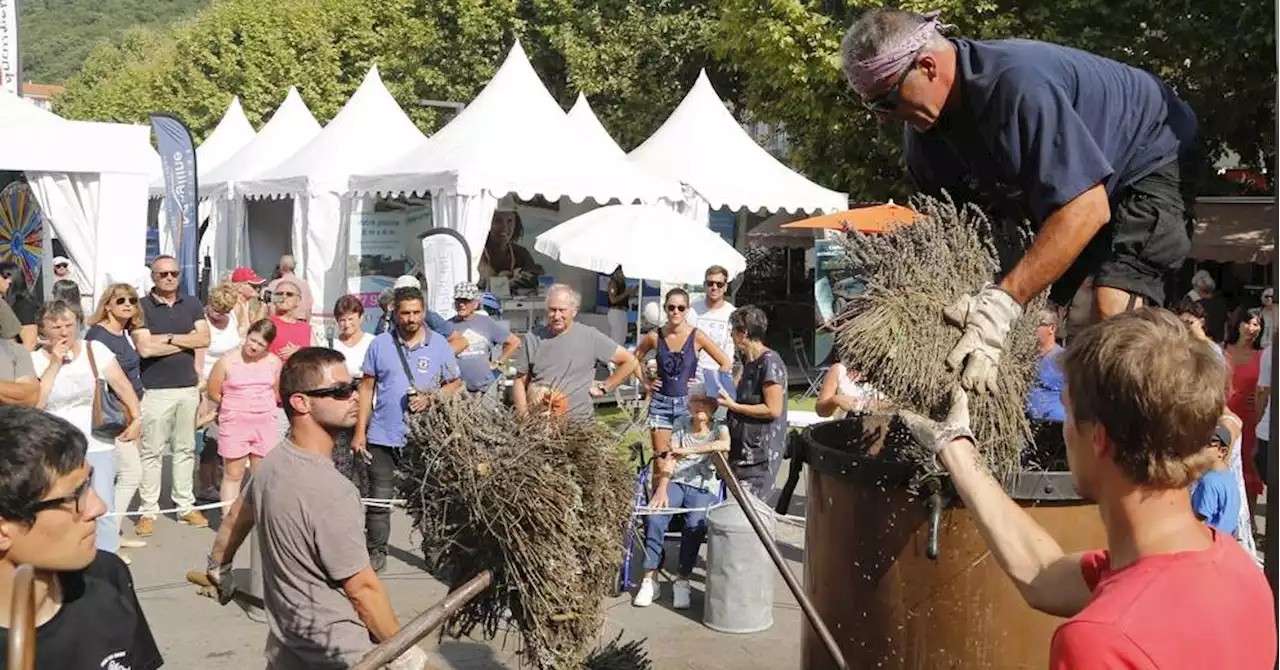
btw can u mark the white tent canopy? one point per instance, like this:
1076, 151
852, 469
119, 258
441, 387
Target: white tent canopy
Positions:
592, 133
228, 137
368, 130
703, 146
91, 182
650, 242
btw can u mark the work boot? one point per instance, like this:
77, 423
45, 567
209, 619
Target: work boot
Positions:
378, 559
194, 519
146, 526
680, 592
130, 543
648, 590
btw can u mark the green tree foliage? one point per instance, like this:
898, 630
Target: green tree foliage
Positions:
57, 36
1218, 56
633, 59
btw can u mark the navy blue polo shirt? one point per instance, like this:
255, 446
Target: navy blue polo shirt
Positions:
160, 318
1038, 124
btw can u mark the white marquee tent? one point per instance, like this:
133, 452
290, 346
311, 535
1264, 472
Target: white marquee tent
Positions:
513, 138
368, 130
703, 146
590, 131
289, 129
90, 180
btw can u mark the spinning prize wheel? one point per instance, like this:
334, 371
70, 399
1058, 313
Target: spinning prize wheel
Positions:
21, 229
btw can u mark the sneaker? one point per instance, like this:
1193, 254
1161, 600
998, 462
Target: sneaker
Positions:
680, 594
644, 597
194, 519
130, 543
125, 558
146, 526
378, 559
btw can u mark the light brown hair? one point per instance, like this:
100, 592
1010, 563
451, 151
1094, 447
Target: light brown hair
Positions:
224, 297
109, 297
1154, 387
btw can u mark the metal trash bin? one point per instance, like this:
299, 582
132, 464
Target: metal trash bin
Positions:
740, 575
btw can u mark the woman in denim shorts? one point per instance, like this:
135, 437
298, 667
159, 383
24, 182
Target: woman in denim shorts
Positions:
678, 345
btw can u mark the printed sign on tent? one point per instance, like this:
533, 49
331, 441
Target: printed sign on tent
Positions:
383, 246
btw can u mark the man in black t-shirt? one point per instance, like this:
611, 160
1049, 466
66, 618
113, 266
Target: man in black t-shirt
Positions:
87, 615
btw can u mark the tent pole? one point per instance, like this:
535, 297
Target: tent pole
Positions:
1272, 540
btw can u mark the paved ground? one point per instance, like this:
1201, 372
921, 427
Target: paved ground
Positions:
194, 632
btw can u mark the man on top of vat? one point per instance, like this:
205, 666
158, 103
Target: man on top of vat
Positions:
1096, 154
1142, 397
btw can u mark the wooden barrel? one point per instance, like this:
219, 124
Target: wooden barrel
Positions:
869, 570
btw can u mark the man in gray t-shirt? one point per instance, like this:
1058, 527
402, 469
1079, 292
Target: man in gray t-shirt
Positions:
557, 363
19, 384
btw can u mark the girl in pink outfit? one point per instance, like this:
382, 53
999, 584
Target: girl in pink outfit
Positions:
245, 384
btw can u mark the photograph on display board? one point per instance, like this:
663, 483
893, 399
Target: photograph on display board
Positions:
382, 247
504, 255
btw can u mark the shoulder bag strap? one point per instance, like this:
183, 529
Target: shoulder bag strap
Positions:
404, 362
88, 350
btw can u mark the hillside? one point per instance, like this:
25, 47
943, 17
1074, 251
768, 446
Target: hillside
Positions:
57, 35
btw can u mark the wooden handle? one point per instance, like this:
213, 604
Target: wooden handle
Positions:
21, 641
422, 625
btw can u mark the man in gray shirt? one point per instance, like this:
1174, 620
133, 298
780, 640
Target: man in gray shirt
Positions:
325, 606
18, 382
557, 364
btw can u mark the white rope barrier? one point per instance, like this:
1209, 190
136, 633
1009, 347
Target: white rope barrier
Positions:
382, 503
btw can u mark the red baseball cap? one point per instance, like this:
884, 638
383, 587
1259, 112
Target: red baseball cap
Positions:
246, 275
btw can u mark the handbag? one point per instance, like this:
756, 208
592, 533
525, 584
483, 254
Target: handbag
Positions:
110, 416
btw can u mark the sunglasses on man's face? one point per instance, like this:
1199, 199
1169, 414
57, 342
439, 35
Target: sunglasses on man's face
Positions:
711, 283
677, 308
337, 391
166, 274
887, 102
120, 300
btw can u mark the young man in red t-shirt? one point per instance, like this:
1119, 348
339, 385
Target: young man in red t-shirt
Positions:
1142, 397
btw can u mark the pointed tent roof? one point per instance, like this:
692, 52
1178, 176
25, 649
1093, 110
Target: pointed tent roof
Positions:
370, 128
702, 145
586, 125
289, 129
513, 137
229, 136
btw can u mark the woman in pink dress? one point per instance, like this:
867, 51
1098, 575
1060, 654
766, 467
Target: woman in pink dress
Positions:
1243, 336
245, 384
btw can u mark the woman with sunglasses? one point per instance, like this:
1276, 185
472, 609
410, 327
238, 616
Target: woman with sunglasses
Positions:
245, 384
292, 333
69, 369
111, 324
678, 345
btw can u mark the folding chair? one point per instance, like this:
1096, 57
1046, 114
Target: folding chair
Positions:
812, 375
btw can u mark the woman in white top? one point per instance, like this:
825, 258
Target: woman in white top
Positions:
353, 343
843, 392
225, 335
67, 383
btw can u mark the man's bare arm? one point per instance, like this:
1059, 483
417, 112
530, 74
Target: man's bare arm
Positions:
626, 365
520, 394
1048, 579
152, 346
25, 391
369, 597
196, 339
236, 524
1060, 241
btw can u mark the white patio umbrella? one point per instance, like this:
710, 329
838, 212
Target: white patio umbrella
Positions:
650, 242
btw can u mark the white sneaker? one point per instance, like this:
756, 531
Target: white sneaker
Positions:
680, 594
644, 597
130, 543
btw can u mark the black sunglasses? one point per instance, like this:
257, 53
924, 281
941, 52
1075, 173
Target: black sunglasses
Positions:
710, 283
677, 308
124, 298
337, 392
166, 273
887, 102
77, 497
60, 265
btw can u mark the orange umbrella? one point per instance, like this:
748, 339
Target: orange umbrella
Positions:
873, 219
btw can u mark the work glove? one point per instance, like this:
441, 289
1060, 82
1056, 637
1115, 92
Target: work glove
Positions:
986, 319
412, 659
221, 575
930, 436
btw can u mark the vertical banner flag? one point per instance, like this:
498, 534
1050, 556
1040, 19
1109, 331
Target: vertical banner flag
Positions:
10, 70
178, 160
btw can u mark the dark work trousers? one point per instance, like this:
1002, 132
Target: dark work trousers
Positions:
382, 479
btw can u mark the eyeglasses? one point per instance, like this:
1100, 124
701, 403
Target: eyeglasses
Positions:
887, 102
710, 283
337, 392
677, 308
284, 294
60, 265
120, 300
171, 274
1268, 296
78, 497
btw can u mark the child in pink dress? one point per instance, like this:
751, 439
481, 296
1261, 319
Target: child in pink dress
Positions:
245, 384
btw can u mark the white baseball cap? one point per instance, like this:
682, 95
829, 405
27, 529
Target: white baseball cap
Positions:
408, 281
61, 260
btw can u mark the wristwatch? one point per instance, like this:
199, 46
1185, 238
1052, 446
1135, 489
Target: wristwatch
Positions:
169, 340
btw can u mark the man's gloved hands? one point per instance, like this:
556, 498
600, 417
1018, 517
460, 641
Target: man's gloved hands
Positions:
222, 577
412, 659
931, 436
986, 319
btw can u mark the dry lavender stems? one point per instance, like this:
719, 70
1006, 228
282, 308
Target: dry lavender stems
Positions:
895, 335
543, 503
